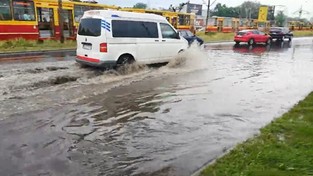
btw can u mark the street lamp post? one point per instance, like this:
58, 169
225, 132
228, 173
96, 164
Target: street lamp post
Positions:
208, 13
61, 21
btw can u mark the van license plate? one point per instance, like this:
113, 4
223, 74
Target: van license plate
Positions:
87, 47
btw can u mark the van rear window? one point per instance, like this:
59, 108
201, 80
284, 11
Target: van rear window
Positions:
134, 29
90, 27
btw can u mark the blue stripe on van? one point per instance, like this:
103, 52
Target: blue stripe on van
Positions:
102, 24
106, 28
105, 25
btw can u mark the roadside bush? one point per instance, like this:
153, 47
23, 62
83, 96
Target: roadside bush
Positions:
23, 43
20, 44
7, 44
17, 43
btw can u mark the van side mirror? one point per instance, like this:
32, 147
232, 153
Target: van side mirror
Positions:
177, 35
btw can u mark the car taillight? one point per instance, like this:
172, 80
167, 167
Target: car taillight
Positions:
103, 47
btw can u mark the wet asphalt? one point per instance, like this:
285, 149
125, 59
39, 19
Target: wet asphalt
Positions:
58, 118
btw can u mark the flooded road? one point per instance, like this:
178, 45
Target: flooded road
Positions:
60, 119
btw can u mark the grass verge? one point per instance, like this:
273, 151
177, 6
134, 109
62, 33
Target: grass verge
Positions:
218, 36
18, 45
284, 147
303, 33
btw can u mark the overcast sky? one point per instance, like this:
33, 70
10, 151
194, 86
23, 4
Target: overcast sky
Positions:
289, 6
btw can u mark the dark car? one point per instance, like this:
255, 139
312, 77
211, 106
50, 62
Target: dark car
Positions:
281, 33
190, 37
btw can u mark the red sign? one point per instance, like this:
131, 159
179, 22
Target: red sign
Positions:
22, 3
199, 22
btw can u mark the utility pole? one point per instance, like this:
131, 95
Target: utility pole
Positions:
61, 21
208, 14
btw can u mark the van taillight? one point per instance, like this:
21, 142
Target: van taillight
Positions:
103, 47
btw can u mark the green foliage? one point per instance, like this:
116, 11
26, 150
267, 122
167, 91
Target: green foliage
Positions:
7, 44
302, 33
284, 147
31, 45
140, 5
16, 43
224, 11
245, 10
280, 19
215, 36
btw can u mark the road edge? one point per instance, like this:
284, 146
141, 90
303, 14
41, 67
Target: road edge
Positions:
34, 53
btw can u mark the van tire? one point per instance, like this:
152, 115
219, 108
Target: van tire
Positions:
124, 60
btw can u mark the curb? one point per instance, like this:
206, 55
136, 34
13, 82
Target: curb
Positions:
34, 53
220, 41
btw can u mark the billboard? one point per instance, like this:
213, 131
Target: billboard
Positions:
263, 13
194, 8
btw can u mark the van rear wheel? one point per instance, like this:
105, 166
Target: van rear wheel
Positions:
125, 60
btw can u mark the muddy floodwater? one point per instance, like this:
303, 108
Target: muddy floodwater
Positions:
59, 119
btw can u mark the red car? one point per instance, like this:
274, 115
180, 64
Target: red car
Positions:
252, 37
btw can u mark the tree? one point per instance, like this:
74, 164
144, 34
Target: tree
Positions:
140, 5
224, 11
249, 9
280, 19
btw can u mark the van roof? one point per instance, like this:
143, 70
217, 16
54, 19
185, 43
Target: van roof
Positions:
122, 14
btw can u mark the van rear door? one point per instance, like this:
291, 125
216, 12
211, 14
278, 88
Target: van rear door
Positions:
91, 40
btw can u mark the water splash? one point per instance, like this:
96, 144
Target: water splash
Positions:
193, 58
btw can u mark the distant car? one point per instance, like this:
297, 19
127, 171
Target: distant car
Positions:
281, 33
252, 37
190, 37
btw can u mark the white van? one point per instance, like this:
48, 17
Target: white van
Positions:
112, 38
